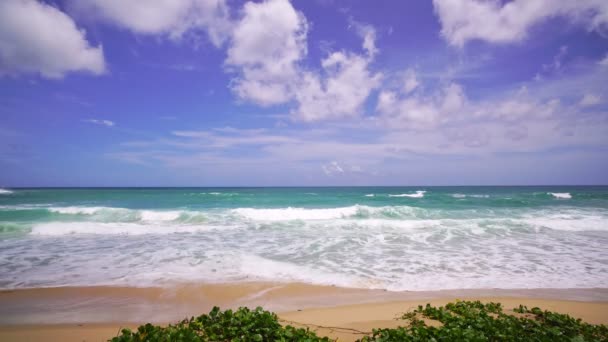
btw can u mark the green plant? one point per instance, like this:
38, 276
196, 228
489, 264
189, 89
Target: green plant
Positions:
460, 321
241, 325
475, 321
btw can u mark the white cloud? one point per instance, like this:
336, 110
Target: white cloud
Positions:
604, 61
39, 38
100, 122
589, 100
557, 59
228, 137
499, 22
299, 152
342, 87
332, 168
173, 18
266, 49
266, 45
340, 92
432, 106
410, 81
368, 34
418, 111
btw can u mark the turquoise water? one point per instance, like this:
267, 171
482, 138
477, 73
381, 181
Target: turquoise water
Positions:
395, 238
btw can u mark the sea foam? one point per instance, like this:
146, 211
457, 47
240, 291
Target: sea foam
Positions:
5, 192
131, 238
82, 210
112, 214
418, 194
98, 228
282, 214
561, 195
473, 196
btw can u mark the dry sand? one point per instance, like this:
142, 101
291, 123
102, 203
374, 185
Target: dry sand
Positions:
98, 313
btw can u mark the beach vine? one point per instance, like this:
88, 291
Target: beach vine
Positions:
457, 321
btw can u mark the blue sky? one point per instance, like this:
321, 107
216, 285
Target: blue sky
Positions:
280, 93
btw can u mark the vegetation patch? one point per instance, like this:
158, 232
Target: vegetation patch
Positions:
460, 321
241, 325
475, 321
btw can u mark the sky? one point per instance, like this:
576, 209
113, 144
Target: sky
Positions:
303, 92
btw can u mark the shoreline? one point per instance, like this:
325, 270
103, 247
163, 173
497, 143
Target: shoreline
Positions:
98, 313
342, 323
109, 304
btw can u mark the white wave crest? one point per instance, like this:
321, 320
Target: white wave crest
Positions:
561, 195
474, 196
5, 191
152, 215
215, 193
122, 214
80, 210
370, 195
418, 194
296, 213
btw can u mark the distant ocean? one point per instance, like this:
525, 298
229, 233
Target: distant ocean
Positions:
394, 238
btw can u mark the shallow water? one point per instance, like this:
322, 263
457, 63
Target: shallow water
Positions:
395, 238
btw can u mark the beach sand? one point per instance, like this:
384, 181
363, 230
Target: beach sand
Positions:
98, 313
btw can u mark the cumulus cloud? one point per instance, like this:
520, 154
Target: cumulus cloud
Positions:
173, 18
434, 105
39, 38
368, 34
339, 92
100, 122
267, 47
344, 84
504, 22
267, 43
400, 109
435, 121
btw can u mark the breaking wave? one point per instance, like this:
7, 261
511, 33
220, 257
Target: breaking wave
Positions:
418, 194
561, 195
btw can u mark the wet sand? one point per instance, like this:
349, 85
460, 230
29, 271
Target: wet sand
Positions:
98, 313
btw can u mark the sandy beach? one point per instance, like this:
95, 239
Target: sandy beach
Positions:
293, 170
98, 313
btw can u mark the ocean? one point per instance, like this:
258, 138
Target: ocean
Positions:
393, 238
